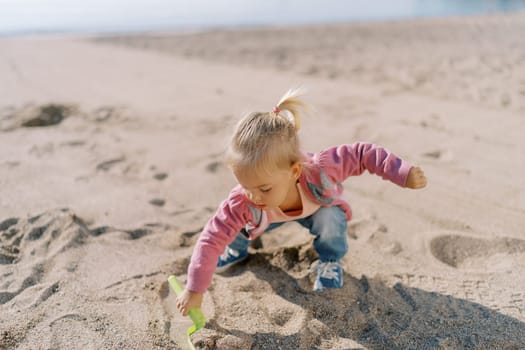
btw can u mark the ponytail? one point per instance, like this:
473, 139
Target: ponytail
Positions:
291, 104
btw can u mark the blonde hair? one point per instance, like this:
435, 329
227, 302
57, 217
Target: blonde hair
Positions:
263, 141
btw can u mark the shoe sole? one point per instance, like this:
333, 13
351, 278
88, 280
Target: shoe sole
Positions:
325, 288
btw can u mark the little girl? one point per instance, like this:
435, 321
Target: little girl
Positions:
279, 183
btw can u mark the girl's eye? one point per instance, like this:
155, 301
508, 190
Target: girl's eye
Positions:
264, 190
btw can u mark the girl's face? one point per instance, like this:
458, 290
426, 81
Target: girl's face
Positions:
269, 191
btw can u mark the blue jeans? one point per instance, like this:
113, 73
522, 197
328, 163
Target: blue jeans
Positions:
328, 225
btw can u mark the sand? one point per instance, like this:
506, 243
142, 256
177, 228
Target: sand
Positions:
110, 165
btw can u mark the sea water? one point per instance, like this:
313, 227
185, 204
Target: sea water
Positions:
111, 16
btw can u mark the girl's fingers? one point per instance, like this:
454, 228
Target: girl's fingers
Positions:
180, 307
422, 181
419, 179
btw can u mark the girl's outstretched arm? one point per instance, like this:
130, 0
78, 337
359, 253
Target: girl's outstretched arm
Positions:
348, 160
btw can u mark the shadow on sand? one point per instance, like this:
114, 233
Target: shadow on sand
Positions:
375, 315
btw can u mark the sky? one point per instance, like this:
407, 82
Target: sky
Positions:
124, 15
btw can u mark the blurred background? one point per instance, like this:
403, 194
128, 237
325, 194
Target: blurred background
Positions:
23, 17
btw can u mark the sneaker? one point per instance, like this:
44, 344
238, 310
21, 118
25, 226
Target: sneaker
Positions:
229, 258
329, 275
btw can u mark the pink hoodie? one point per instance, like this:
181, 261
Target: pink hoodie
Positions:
322, 177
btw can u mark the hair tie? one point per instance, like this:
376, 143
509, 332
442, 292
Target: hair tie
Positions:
276, 110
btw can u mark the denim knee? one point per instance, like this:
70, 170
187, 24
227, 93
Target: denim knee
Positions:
329, 225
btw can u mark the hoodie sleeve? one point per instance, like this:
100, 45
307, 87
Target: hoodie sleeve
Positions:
348, 160
231, 216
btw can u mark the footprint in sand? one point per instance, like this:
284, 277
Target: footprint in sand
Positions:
158, 202
464, 252
105, 113
110, 163
28, 246
188, 238
74, 326
160, 176
441, 155
213, 167
34, 116
373, 232
382, 241
47, 115
213, 163
179, 266
283, 313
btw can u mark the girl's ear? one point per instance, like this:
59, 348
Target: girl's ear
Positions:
296, 169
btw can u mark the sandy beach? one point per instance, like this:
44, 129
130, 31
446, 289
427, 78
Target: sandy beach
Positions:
111, 164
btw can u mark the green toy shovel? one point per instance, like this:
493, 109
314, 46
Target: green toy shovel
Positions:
195, 314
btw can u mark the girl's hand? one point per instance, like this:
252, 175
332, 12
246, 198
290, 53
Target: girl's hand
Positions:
416, 178
188, 300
